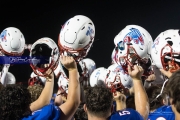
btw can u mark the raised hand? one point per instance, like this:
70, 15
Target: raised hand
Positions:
136, 73
68, 62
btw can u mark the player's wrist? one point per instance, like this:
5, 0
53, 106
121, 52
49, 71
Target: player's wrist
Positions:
136, 79
72, 69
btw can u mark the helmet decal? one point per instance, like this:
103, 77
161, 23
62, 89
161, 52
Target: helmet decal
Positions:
3, 36
134, 35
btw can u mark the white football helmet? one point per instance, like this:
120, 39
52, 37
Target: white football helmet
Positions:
87, 66
133, 43
12, 42
35, 79
76, 37
114, 55
166, 50
10, 78
126, 80
102, 76
98, 77
48, 52
63, 83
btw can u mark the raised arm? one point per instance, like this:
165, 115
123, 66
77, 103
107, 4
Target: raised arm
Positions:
73, 99
141, 99
45, 97
120, 100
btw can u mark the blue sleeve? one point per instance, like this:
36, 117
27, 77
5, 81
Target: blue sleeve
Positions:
163, 113
49, 112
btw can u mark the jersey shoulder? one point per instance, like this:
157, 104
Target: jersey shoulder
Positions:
162, 113
48, 112
126, 114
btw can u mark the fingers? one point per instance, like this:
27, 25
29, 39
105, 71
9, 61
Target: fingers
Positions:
49, 74
129, 69
166, 73
140, 68
66, 59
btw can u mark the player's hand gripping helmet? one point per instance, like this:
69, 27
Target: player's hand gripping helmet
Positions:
133, 43
166, 50
87, 66
76, 37
12, 42
47, 51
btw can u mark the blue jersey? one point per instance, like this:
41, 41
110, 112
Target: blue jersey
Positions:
49, 112
162, 113
126, 114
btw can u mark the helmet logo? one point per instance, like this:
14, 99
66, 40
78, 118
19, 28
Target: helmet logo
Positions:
156, 42
134, 35
90, 32
97, 74
3, 36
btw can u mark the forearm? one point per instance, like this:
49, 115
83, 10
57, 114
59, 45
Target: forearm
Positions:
58, 99
47, 92
141, 99
120, 105
73, 98
45, 96
74, 88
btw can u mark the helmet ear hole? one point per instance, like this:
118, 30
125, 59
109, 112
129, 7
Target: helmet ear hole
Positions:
170, 43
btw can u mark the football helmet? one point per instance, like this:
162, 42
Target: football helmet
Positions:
12, 42
102, 76
35, 79
114, 55
165, 51
76, 37
63, 83
47, 51
10, 78
134, 45
87, 66
126, 80
98, 77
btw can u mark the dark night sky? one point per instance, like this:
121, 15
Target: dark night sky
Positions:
44, 19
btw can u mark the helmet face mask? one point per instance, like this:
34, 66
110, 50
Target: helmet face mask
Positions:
47, 51
63, 83
12, 42
125, 79
165, 50
76, 37
133, 43
111, 79
87, 66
